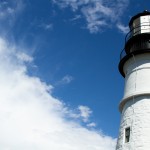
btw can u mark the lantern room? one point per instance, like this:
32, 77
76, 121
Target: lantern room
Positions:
137, 41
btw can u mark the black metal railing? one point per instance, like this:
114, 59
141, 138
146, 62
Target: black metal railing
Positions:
122, 54
133, 32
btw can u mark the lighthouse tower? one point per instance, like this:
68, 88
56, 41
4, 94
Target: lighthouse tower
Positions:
134, 66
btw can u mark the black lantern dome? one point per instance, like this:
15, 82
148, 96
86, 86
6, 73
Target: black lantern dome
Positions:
137, 41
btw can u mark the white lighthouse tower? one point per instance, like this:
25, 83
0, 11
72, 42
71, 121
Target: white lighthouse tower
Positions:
134, 66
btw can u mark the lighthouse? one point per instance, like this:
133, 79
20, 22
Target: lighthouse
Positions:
134, 66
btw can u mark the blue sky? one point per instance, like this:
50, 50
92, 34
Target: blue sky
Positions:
59, 65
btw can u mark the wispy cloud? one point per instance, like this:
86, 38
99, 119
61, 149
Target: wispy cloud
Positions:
65, 80
9, 11
24, 57
76, 18
46, 26
99, 14
122, 28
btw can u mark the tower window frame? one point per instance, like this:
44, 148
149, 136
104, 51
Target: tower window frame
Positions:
127, 134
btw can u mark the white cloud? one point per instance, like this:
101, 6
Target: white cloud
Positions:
94, 16
32, 119
85, 112
82, 113
92, 124
24, 57
99, 14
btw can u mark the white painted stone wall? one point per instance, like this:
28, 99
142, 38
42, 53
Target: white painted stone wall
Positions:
136, 115
135, 104
137, 70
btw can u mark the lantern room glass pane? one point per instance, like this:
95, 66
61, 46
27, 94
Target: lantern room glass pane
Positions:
141, 25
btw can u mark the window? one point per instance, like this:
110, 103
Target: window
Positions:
127, 135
